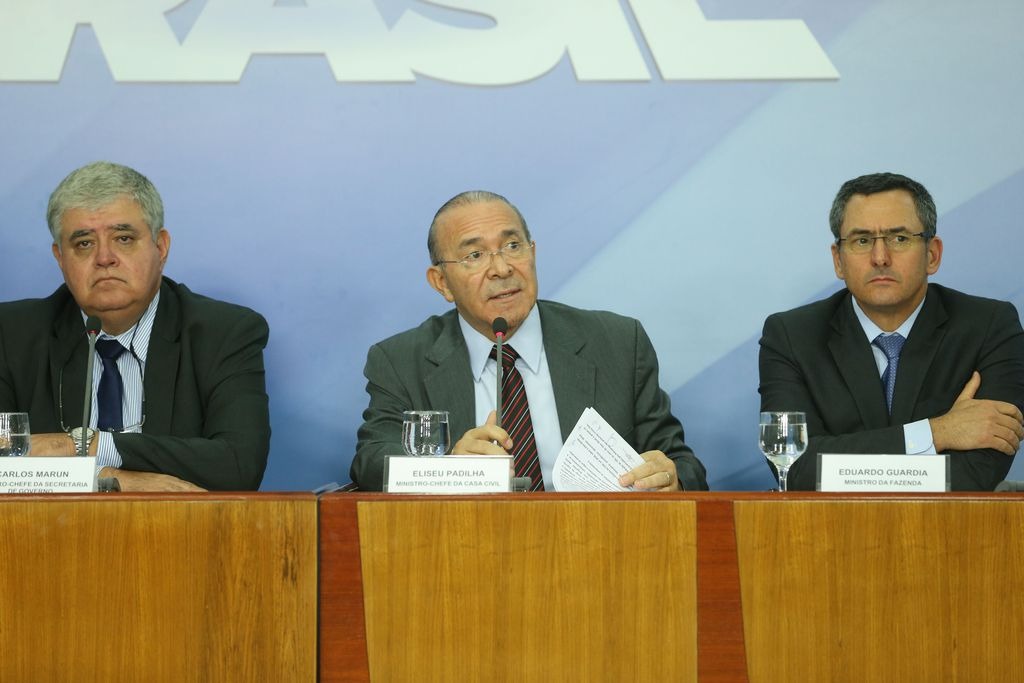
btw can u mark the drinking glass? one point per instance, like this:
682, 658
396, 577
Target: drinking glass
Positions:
15, 438
783, 439
425, 432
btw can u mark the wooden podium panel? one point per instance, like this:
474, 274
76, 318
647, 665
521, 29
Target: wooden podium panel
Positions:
181, 587
515, 588
883, 589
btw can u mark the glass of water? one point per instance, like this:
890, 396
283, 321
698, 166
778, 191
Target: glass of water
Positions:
15, 438
783, 439
425, 432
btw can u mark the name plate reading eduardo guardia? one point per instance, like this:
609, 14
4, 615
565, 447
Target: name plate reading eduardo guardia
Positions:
448, 474
47, 475
871, 472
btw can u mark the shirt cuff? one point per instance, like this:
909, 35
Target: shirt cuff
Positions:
917, 438
106, 452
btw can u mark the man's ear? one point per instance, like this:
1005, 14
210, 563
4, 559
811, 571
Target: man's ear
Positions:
437, 279
934, 256
837, 262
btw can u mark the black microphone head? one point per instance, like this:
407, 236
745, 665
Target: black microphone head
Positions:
499, 326
93, 325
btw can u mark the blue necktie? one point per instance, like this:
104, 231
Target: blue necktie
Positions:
891, 346
111, 389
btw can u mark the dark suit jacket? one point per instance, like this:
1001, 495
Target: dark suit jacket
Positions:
596, 358
817, 359
207, 418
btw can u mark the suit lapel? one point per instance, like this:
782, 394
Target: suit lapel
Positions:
917, 357
68, 354
853, 356
573, 376
162, 362
449, 385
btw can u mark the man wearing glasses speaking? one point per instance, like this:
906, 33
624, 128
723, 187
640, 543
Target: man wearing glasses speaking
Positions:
179, 399
558, 361
893, 364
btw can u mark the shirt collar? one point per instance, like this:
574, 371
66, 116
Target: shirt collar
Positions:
528, 341
136, 337
872, 330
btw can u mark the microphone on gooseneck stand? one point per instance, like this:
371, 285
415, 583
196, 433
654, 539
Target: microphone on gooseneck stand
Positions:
92, 330
499, 327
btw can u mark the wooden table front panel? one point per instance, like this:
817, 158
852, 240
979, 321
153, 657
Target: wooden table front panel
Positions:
882, 590
158, 588
532, 589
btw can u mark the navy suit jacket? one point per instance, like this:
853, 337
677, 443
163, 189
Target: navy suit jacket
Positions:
817, 359
206, 412
596, 359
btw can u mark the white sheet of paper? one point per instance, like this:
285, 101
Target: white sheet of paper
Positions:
593, 457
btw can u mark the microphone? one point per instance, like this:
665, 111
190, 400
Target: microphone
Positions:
499, 327
92, 330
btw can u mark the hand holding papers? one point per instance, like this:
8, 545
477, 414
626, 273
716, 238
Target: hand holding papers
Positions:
593, 457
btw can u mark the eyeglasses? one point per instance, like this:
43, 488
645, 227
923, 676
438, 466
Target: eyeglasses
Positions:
512, 252
130, 428
894, 241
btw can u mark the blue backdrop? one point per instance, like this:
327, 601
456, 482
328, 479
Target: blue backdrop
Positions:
675, 160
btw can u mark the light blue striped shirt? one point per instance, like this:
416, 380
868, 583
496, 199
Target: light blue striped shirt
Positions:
132, 366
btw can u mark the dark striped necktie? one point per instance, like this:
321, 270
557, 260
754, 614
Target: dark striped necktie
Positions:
515, 419
111, 389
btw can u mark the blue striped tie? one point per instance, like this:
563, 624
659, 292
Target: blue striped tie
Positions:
891, 346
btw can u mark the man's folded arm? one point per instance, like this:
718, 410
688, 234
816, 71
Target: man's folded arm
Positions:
784, 387
656, 427
382, 420
231, 452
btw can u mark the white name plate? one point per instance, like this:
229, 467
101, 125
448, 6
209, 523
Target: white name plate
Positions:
448, 474
872, 472
47, 474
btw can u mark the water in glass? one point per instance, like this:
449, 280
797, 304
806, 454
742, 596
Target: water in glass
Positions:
425, 432
783, 439
15, 438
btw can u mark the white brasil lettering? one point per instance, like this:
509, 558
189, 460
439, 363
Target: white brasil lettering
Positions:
527, 39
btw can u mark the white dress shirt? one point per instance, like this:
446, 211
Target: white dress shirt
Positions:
917, 436
528, 341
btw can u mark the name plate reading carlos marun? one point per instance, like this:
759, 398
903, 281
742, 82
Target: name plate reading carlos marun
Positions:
47, 475
448, 474
856, 472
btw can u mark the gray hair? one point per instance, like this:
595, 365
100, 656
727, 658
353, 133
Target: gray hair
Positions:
465, 199
874, 183
98, 184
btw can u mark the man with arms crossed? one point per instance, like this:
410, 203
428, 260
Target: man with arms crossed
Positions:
957, 360
483, 261
178, 395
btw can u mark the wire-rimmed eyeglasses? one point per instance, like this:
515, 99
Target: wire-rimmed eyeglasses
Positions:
478, 259
894, 241
130, 428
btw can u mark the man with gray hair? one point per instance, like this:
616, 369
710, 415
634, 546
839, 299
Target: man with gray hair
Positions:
558, 361
179, 397
892, 363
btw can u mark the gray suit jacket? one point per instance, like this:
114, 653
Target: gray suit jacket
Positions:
816, 359
207, 419
596, 358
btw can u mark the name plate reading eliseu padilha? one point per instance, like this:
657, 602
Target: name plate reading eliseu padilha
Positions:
449, 474
872, 472
48, 474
